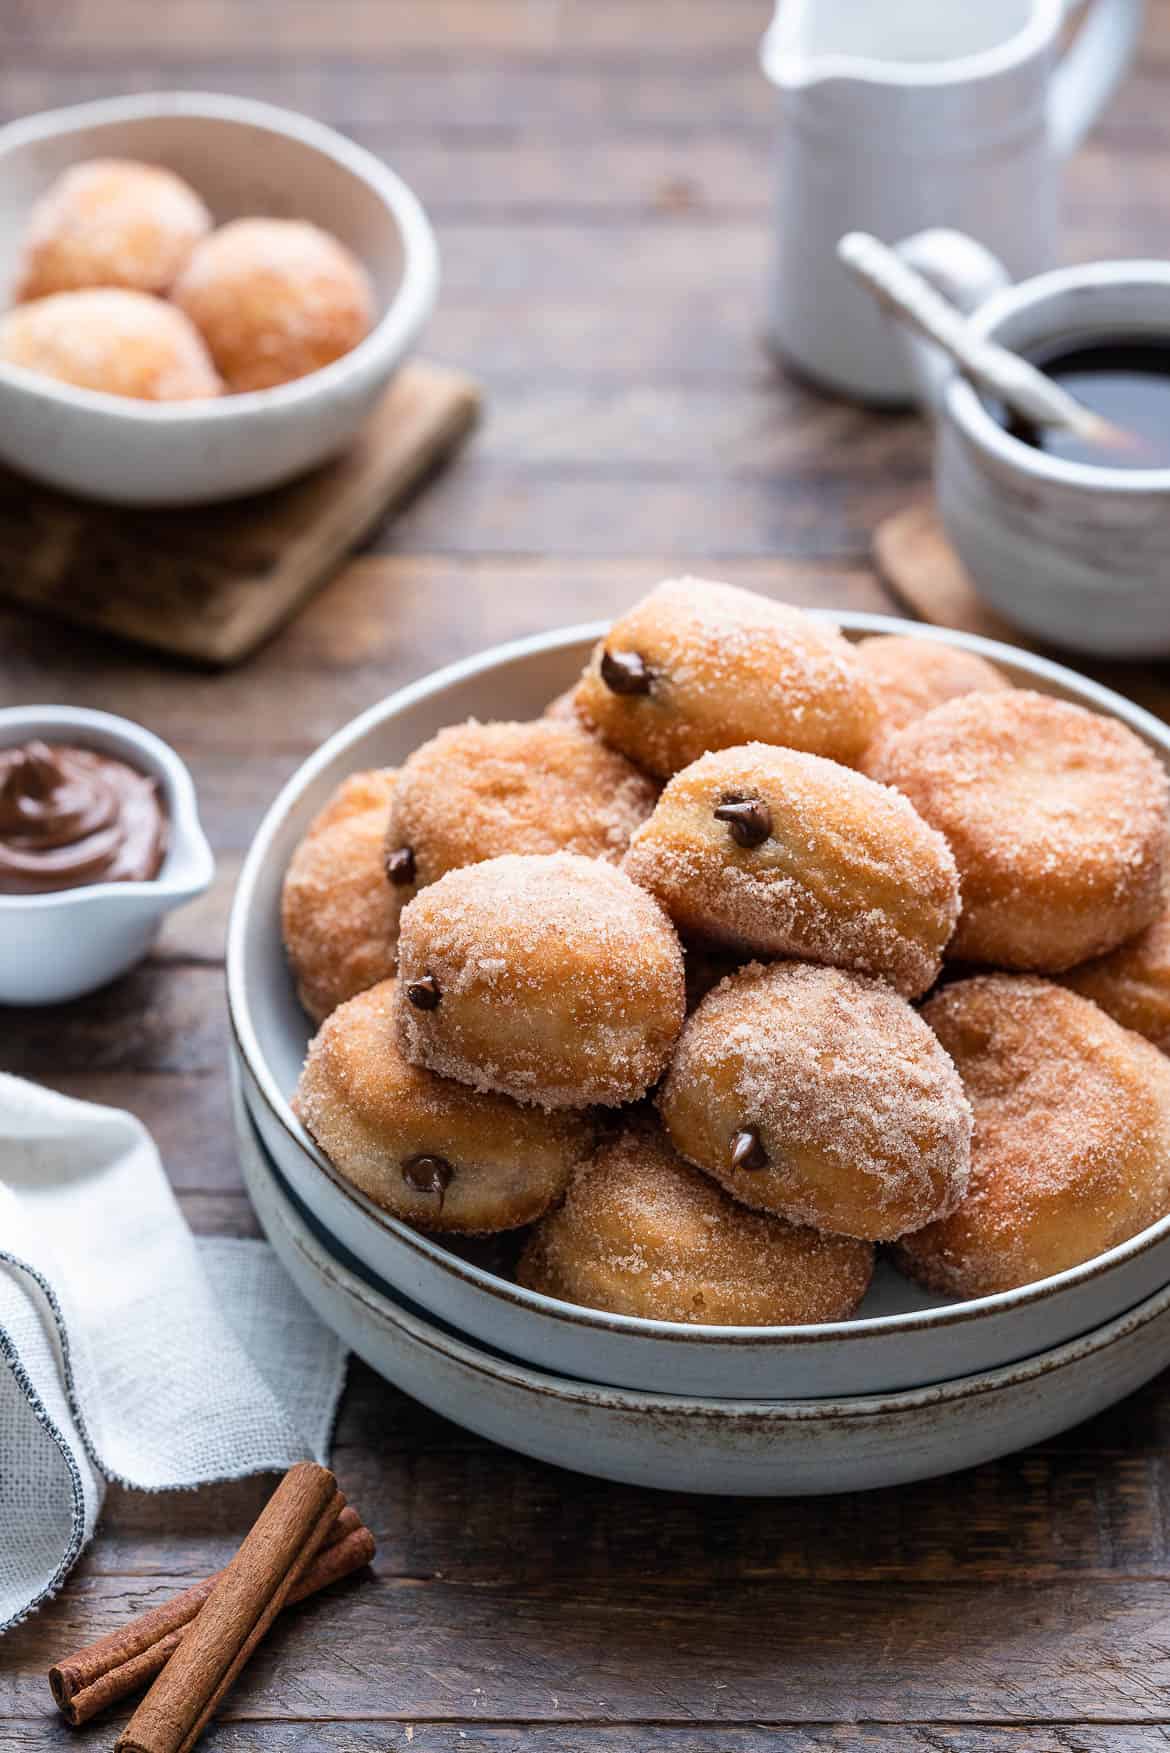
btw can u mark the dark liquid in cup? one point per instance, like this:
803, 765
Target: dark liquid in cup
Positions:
1124, 378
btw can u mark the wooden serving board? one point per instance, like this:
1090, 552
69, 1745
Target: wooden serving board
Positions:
211, 583
913, 555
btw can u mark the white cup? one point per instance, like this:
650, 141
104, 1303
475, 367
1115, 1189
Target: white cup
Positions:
1069, 552
902, 114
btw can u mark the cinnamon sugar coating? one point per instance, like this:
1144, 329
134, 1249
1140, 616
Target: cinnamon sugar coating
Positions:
698, 665
110, 222
552, 979
1071, 1151
1132, 983
274, 299
121, 343
821, 1096
430, 1151
478, 791
846, 872
339, 914
910, 677
1057, 818
641, 1232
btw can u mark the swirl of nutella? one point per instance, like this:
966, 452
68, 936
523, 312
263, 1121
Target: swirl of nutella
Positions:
69, 817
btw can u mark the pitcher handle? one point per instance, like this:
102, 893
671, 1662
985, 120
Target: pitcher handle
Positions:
964, 272
1090, 69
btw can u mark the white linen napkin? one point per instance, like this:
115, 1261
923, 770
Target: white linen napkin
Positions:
129, 1351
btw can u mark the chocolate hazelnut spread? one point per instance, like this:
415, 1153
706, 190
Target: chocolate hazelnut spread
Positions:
70, 816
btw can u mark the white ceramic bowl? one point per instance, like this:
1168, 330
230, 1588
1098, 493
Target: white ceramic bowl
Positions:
245, 159
901, 1338
56, 947
744, 1448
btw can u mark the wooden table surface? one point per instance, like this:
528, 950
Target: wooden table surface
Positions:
598, 174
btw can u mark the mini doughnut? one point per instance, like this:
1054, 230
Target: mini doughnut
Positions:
553, 979
477, 791
371, 789
275, 299
697, 666
1057, 818
1132, 983
430, 1151
778, 853
641, 1232
110, 222
912, 676
1072, 1136
822, 1096
339, 914
123, 343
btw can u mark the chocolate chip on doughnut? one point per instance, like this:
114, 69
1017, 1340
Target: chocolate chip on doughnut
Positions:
1057, 818
553, 979
477, 791
822, 1096
777, 853
1072, 1136
431, 1151
697, 665
641, 1232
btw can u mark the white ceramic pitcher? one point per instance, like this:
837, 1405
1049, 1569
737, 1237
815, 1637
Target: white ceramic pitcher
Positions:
897, 115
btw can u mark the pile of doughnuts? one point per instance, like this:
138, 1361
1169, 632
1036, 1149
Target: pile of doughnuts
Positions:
124, 286
758, 950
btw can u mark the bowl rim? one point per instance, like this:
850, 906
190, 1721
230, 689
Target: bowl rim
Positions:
259, 1078
390, 336
458, 1348
188, 864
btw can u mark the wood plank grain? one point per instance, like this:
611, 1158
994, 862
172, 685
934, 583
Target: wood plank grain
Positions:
469, 1736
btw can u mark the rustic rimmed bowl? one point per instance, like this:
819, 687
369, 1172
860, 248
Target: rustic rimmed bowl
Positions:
245, 159
901, 1338
747, 1447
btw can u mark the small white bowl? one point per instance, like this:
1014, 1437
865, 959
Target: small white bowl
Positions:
901, 1338
245, 159
746, 1447
59, 946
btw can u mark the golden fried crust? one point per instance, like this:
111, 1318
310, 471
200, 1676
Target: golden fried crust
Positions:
433, 1152
339, 913
910, 677
108, 339
1057, 819
1071, 1151
1132, 983
641, 1232
722, 666
558, 981
821, 1096
478, 791
361, 792
110, 222
846, 872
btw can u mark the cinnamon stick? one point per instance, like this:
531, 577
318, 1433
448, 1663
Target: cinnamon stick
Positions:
103, 1673
272, 1562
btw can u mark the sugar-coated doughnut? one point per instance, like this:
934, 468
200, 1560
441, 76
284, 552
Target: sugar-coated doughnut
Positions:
339, 914
110, 222
275, 299
1057, 818
1132, 983
1072, 1135
778, 853
551, 978
698, 665
912, 676
822, 1096
564, 707
431, 1151
641, 1232
123, 343
477, 791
